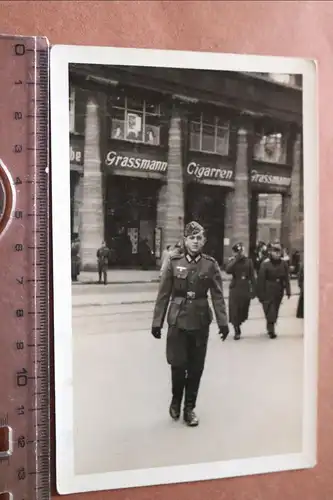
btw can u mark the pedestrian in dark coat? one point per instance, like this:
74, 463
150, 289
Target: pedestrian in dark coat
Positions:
242, 287
103, 254
261, 253
273, 282
186, 280
300, 305
75, 259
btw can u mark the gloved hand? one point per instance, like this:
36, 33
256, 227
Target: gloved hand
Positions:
156, 332
224, 332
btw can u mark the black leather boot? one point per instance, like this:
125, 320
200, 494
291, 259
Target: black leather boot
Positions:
237, 333
271, 331
190, 418
174, 409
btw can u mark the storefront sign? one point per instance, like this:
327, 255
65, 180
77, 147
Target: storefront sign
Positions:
270, 179
118, 160
201, 172
158, 242
194, 170
76, 150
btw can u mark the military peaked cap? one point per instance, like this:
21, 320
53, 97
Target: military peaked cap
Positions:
237, 247
193, 228
276, 247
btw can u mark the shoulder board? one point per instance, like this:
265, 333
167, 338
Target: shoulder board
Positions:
176, 256
208, 257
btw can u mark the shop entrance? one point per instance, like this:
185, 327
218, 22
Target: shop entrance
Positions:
206, 205
130, 223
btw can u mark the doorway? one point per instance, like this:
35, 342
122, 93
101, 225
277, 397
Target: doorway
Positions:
130, 214
206, 205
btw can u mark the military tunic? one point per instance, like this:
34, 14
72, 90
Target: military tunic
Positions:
187, 282
242, 288
273, 282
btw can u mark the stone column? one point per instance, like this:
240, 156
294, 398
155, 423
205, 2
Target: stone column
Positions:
240, 213
228, 224
296, 216
253, 220
78, 192
92, 212
286, 220
170, 209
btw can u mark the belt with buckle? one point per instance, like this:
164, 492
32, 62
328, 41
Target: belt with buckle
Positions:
191, 295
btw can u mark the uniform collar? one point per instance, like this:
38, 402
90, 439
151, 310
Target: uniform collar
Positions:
191, 259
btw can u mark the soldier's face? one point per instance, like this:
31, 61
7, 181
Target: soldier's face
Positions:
195, 243
276, 254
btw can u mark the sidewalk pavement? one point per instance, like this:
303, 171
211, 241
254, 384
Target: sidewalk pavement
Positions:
120, 276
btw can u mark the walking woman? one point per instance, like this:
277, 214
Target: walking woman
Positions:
300, 305
273, 282
242, 287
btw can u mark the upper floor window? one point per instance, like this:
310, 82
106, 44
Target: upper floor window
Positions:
209, 134
135, 120
287, 79
72, 109
270, 147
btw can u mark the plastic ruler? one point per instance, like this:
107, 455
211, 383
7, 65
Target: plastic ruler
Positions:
24, 269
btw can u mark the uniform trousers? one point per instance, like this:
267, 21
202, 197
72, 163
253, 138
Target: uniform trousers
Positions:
103, 273
187, 371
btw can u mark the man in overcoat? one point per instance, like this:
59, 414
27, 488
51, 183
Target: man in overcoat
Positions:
241, 289
300, 304
186, 281
103, 255
273, 282
75, 258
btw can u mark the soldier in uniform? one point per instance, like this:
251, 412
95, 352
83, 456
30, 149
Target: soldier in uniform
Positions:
75, 259
242, 287
300, 304
187, 279
273, 282
261, 254
103, 254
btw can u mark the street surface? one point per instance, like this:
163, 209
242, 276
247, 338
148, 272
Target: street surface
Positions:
250, 400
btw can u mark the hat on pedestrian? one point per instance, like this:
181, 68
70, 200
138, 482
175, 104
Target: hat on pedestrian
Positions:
276, 247
193, 228
237, 247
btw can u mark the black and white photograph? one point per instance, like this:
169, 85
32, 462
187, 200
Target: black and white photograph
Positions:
184, 265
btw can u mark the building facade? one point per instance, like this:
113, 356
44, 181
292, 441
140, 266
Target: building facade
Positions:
269, 217
152, 148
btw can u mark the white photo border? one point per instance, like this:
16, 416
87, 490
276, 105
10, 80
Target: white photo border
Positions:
63, 55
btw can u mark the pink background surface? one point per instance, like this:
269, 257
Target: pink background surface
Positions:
302, 29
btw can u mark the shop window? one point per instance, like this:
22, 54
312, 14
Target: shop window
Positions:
270, 147
209, 135
263, 200
72, 110
273, 234
135, 120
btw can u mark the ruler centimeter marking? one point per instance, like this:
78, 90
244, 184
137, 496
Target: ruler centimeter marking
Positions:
24, 270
